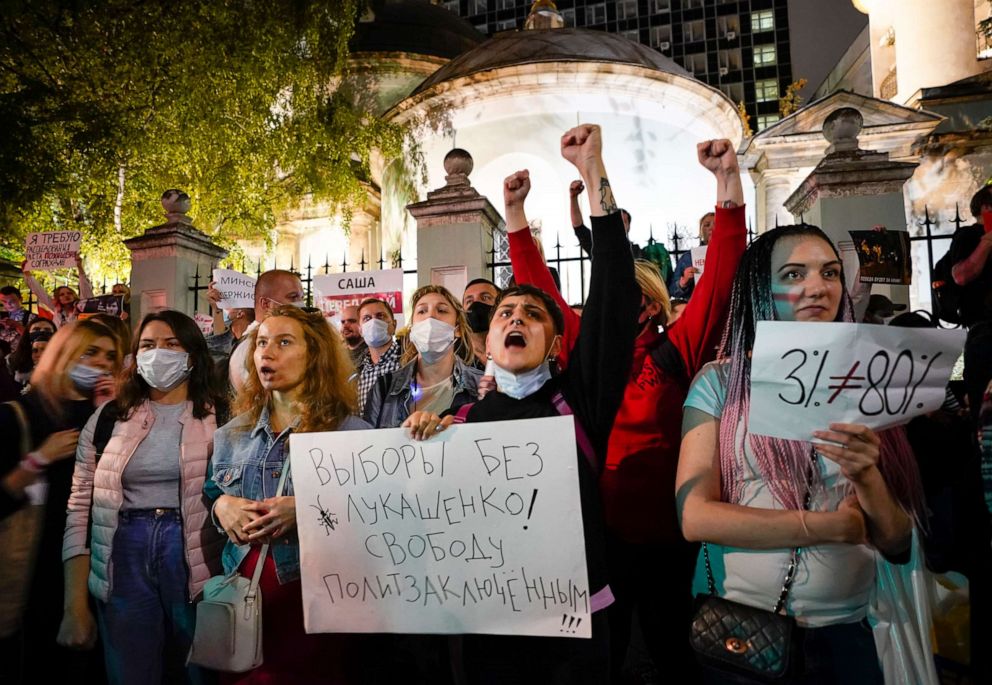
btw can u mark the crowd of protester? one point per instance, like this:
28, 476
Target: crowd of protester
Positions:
135, 467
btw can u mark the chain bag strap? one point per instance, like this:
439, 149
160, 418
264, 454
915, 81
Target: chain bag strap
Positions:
738, 638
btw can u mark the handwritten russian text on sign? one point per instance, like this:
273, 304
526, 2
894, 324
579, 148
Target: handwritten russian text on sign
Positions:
336, 291
52, 250
478, 530
698, 255
805, 376
204, 322
237, 291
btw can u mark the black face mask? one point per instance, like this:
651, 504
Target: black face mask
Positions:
478, 314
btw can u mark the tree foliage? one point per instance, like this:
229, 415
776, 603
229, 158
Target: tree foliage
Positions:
792, 100
244, 104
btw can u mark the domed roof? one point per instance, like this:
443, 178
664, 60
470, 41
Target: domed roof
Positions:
552, 45
413, 26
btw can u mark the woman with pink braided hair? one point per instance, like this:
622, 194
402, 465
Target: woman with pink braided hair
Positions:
846, 504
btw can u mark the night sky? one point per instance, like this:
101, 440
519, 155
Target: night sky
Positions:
820, 32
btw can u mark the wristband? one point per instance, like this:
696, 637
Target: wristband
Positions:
31, 463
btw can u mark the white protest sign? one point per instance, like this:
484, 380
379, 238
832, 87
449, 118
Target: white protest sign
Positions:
52, 250
698, 255
336, 291
237, 290
477, 530
205, 322
805, 376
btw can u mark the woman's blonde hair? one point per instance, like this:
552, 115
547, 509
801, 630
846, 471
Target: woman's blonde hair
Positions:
649, 280
50, 378
327, 396
463, 348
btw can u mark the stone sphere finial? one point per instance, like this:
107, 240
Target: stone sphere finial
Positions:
842, 128
458, 161
176, 203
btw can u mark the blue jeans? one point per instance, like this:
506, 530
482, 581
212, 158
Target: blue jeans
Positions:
147, 623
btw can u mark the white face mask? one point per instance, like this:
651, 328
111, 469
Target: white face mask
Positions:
432, 338
163, 369
520, 385
375, 332
85, 377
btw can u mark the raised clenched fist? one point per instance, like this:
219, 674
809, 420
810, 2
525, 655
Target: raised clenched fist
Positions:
718, 156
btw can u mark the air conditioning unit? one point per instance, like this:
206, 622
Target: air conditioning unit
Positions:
731, 35
664, 45
724, 71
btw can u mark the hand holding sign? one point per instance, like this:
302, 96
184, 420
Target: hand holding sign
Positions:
698, 262
236, 290
806, 376
856, 449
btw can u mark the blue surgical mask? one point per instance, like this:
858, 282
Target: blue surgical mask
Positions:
85, 377
520, 385
375, 332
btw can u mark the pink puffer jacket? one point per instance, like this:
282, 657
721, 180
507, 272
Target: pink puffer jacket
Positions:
203, 544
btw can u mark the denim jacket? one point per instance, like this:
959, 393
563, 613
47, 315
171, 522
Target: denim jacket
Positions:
390, 400
247, 462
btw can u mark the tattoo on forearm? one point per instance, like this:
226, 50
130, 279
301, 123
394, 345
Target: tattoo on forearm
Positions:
606, 201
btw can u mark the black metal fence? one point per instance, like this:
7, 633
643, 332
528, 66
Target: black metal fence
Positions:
570, 261
201, 283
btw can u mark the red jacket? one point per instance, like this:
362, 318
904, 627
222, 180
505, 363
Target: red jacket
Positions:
638, 483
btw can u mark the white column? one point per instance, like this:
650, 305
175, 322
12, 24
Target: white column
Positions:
935, 42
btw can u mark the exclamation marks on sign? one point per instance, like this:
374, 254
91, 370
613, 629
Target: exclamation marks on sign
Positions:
573, 623
530, 510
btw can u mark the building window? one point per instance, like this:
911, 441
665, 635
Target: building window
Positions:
569, 17
477, 6
764, 55
506, 4
694, 31
656, 6
451, 5
627, 9
596, 14
734, 91
766, 120
661, 37
762, 21
506, 25
693, 4
696, 63
766, 90
728, 26
633, 35
729, 60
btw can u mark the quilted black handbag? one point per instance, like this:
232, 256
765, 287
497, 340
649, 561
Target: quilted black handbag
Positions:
741, 639
737, 638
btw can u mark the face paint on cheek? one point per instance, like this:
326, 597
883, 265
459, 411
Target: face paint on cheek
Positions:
785, 298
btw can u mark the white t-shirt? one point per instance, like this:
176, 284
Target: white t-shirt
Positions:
833, 581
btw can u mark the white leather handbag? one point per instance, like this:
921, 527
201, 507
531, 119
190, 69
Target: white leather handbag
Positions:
228, 633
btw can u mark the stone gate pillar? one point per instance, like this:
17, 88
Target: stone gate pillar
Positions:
165, 259
454, 229
854, 189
